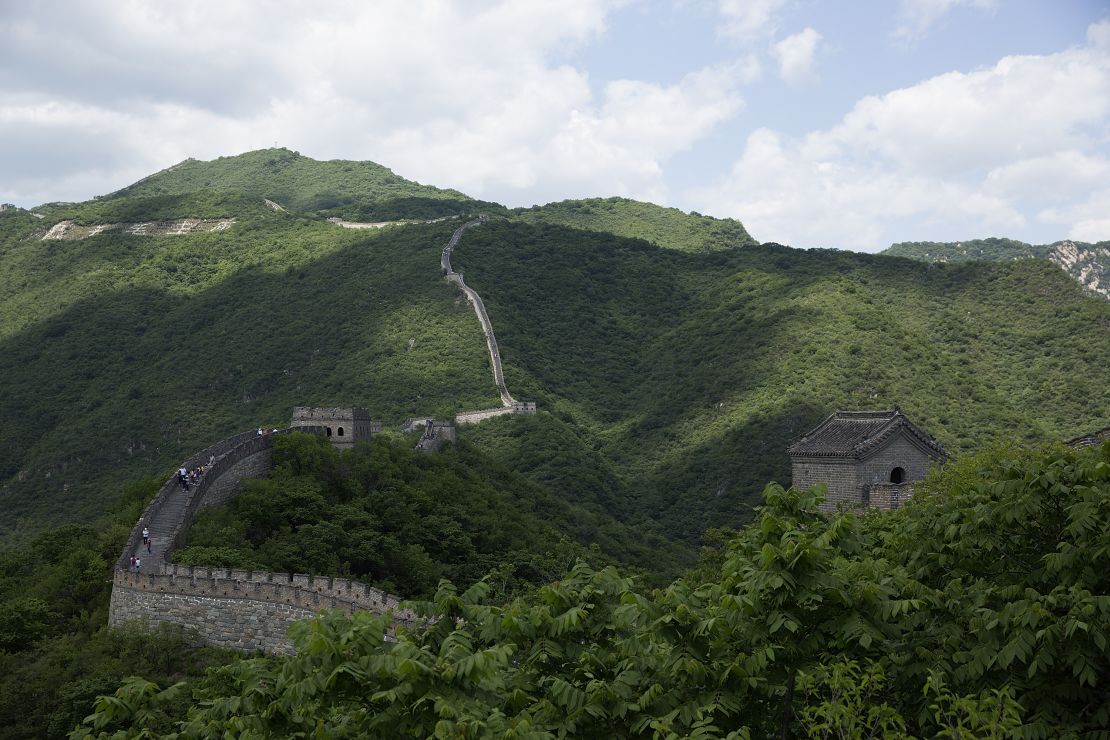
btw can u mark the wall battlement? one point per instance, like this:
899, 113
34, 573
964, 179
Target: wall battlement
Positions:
298, 590
247, 610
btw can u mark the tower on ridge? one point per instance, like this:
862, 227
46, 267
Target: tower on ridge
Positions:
343, 425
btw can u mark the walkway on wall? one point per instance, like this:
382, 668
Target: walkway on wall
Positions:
242, 609
479, 308
163, 526
168, 514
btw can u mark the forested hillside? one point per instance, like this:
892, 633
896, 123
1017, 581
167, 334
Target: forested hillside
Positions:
357, 191
673, 360
979, 610
691, 373
1088, 264
668, 228
672, 370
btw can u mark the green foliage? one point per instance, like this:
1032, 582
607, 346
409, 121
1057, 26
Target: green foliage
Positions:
669, 228
675, 376
231, 186
987, 250
845, 700
690, 374
56, 653
122, 355
402, 520
919, 623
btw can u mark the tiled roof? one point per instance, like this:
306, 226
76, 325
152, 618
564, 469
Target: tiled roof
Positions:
853, 433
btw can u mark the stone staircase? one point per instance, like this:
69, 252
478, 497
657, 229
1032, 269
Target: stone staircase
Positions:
163, 526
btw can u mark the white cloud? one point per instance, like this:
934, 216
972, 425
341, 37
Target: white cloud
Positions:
1098, 34
1066, 174
467, 96
795, 55
1087, 220
743, 19
916, 17
955, 156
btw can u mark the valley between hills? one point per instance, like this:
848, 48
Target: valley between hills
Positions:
673, 358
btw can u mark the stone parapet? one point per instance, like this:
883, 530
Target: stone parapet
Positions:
231, 607
516, 408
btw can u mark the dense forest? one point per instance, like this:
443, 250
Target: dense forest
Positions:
980, 609
402, 520
673, 360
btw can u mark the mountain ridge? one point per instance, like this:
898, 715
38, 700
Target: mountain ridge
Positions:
1087, 263
673, 374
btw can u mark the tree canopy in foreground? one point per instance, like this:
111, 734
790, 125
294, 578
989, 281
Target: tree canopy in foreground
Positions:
981, 609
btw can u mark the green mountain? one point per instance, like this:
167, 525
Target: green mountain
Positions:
671, 370
1088, 264
668, 228
234, 186
672, 358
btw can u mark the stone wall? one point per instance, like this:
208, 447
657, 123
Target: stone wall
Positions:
248, 610
475, 301
228, 607
437, 433
838, 473
855, 484
167, 500
473, 417
898, 453
888, 496
253, 464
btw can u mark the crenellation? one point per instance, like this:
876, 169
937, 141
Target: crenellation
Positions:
232, 607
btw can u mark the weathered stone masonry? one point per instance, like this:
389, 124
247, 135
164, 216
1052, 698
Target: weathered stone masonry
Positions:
867, 459
227, 607
247, 610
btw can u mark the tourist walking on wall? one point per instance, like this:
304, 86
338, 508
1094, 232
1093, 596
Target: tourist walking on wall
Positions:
132, 568
146, 535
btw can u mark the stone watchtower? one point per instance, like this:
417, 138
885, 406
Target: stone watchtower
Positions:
866, 458
343, 425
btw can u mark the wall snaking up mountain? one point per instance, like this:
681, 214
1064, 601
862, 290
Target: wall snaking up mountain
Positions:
674, 358
691, 373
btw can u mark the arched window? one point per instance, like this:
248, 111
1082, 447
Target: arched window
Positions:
329, 431
898, 475
340, 431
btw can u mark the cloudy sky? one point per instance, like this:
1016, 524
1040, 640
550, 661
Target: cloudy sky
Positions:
818, 123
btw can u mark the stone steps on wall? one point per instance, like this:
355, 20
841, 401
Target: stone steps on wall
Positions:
162, 527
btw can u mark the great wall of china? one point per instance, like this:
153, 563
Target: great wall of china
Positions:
252, 610
242, 609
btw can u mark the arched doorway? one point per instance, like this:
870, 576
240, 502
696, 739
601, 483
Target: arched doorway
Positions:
898, 475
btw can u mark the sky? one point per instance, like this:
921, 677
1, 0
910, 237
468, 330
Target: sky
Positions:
817, 123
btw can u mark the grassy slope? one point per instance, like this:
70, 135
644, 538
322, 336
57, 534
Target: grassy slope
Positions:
690, 373
672, 378
225, 186
132, 351
669, 228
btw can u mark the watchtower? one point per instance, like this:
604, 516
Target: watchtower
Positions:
343, 425
866, 458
